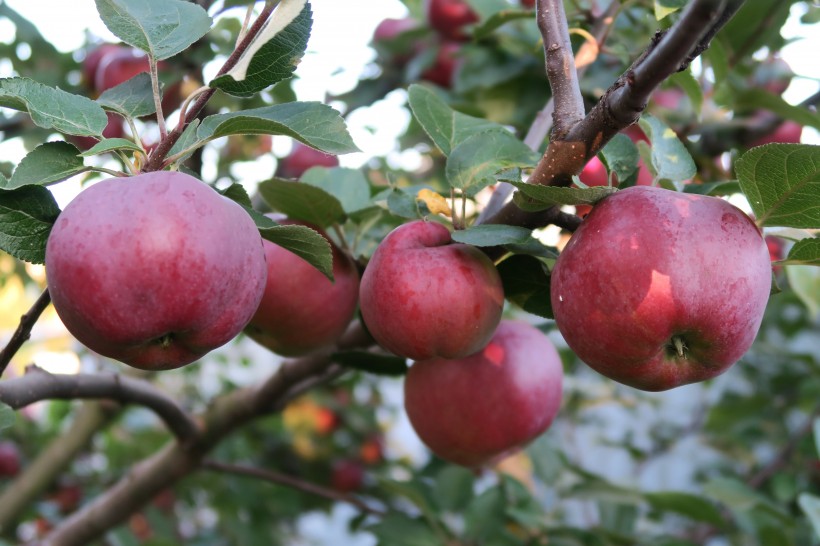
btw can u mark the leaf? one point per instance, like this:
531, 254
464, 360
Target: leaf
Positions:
312, 123
621, 156
804, 252
371, 362
664, 8
810, 505
446, 127
741, 498
347, 185
475, 160
302, 201
485, 515
816, 427
692, 506
670, 158
690, 85
46, 164
526, 283
804, 280
782, 184
236, 192
492, 235
757, 99
26, 217
535, 197
405, 205
498, 19
453, 488
7, 416
162, 28
306, 243
274, 53
186, 142
396, 529
110, 145
52, 108
133, 98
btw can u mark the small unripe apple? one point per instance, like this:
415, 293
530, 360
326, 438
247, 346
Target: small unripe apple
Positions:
658, 288
444, 65
301, 158
9, 460
424, 296
478, 409
302, 310
449, 17
154, 270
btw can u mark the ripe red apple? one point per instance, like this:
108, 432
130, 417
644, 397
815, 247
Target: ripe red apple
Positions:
302, 310
92, 61
347, 475
444, 65
119, 65
448, 17
388, 29
9, 460
154, 270
424, 296
528, 3
301, 158
658, 289
788, 132
593, 174
475, 410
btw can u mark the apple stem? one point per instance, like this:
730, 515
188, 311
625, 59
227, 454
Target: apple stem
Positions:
680, 346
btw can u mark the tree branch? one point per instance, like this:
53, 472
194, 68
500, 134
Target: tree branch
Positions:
38, 384
23, 331
293, 482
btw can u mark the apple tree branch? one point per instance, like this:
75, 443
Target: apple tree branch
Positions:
23, 331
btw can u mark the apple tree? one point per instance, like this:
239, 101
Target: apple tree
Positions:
577, 304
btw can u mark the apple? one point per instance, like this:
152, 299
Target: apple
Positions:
9, 460
444, 65
424, 296
658, 288
92, 61
346, 475
117, 66
593, 174
301, 158
302, 310
154, 270
528, 3
773, 74
475, 410
788, 132
388, 29
448, 17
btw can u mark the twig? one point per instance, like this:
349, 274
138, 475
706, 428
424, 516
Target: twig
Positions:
38, 384
23, 331
295, 483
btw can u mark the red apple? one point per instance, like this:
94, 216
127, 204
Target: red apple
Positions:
301, 158
658, 289
444, 65
119, 65
593, 174
475, 410
788, 132
528, 3
302, 310
424, 296
347, 475
389, 29
92, 61
9, 460
773, 74
154, 270
448, 17
668, 98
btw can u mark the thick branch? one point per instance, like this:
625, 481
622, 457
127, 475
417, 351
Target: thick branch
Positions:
23, 331
37, 384
295, 483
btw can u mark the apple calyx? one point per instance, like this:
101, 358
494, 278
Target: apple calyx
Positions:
679, 346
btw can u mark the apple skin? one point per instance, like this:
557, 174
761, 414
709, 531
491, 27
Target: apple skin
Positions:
447, 17
302, 310
424, 296
649, 266
154, 270
346, 475
92, 61
473, 411
388, 29
301, 158
9, 460
593, 174
117, 66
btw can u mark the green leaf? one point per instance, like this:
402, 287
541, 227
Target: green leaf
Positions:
186, 142
718, 59
236, 192
810, 505
414, 491
620, 155
741, 498
817, 435
692, 506
396, 529
26, 217
485, 515
664, 8
306, 243
670, 158
527, 284
7, 416
52, 108
133, 98
405, 205
804, 280
713, 188
371, 362
475, 160
498, 19
453, 488
492, 235
349, 186
162, 28
756, 99
690, 85
302, 201
274, 53
804, 252
782, 184
46, 164
535, 197
446, 127
110, 145
312, 123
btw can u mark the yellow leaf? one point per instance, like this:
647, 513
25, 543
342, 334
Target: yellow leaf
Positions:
435, 202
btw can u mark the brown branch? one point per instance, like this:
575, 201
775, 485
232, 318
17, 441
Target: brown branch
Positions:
38, 384
157, 160
23, 331
295, 483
